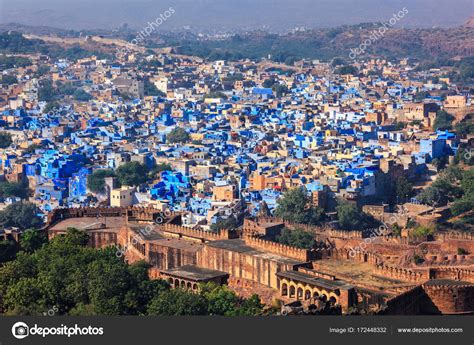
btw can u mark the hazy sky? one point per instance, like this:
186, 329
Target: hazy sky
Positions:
231, 14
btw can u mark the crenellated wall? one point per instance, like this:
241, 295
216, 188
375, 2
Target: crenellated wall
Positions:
198, 234
403, 274
278, 248
347, 254
451, 298
454, 273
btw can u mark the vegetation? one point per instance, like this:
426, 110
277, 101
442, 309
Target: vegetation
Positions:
8, 80
80, 280
296, 238
295, 206
348, 69
215, 94
9, 189
151, 90
96, 180
7, 62
14, 42
403, 188
466, 126
448, 187
5, 140
225, 224
422, 231
178, 135
132, 174
443, 120
22, 215
351, 218
81, 95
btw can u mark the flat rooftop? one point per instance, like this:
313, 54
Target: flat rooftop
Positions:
238, 245
90, 224
195, 273
357, 273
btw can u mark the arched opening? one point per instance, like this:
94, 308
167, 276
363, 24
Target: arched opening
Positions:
299, 294
284, 289
332, 301
176, 283
292, 291
195, 287
307, 295
171, 281
189, 286
183, 284
323, 298
315, 295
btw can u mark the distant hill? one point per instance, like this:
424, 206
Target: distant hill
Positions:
329, 43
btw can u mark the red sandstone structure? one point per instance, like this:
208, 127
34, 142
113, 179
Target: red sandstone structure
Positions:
383, 277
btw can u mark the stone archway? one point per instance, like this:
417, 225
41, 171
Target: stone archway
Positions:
299, 293
307, 295
284, 289
189, 285
292, 291
332, 300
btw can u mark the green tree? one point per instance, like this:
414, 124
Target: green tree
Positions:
178, 135
8, 250
8, 80
32, 240
348, 69
177, 302
351, 218
46, 91
443, 120
228, 224
296, 238
132, 174
81, 95
96, 180
151, 90
403, 188
21, 215
51, 107
5, 140
295, 206
9, 189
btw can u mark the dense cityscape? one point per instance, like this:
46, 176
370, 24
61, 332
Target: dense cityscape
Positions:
147, 181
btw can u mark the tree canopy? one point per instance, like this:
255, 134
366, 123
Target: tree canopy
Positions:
132, 174
5, 140
178, 135
351, 218
22, 215
80, 280
295, 206
296, 238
